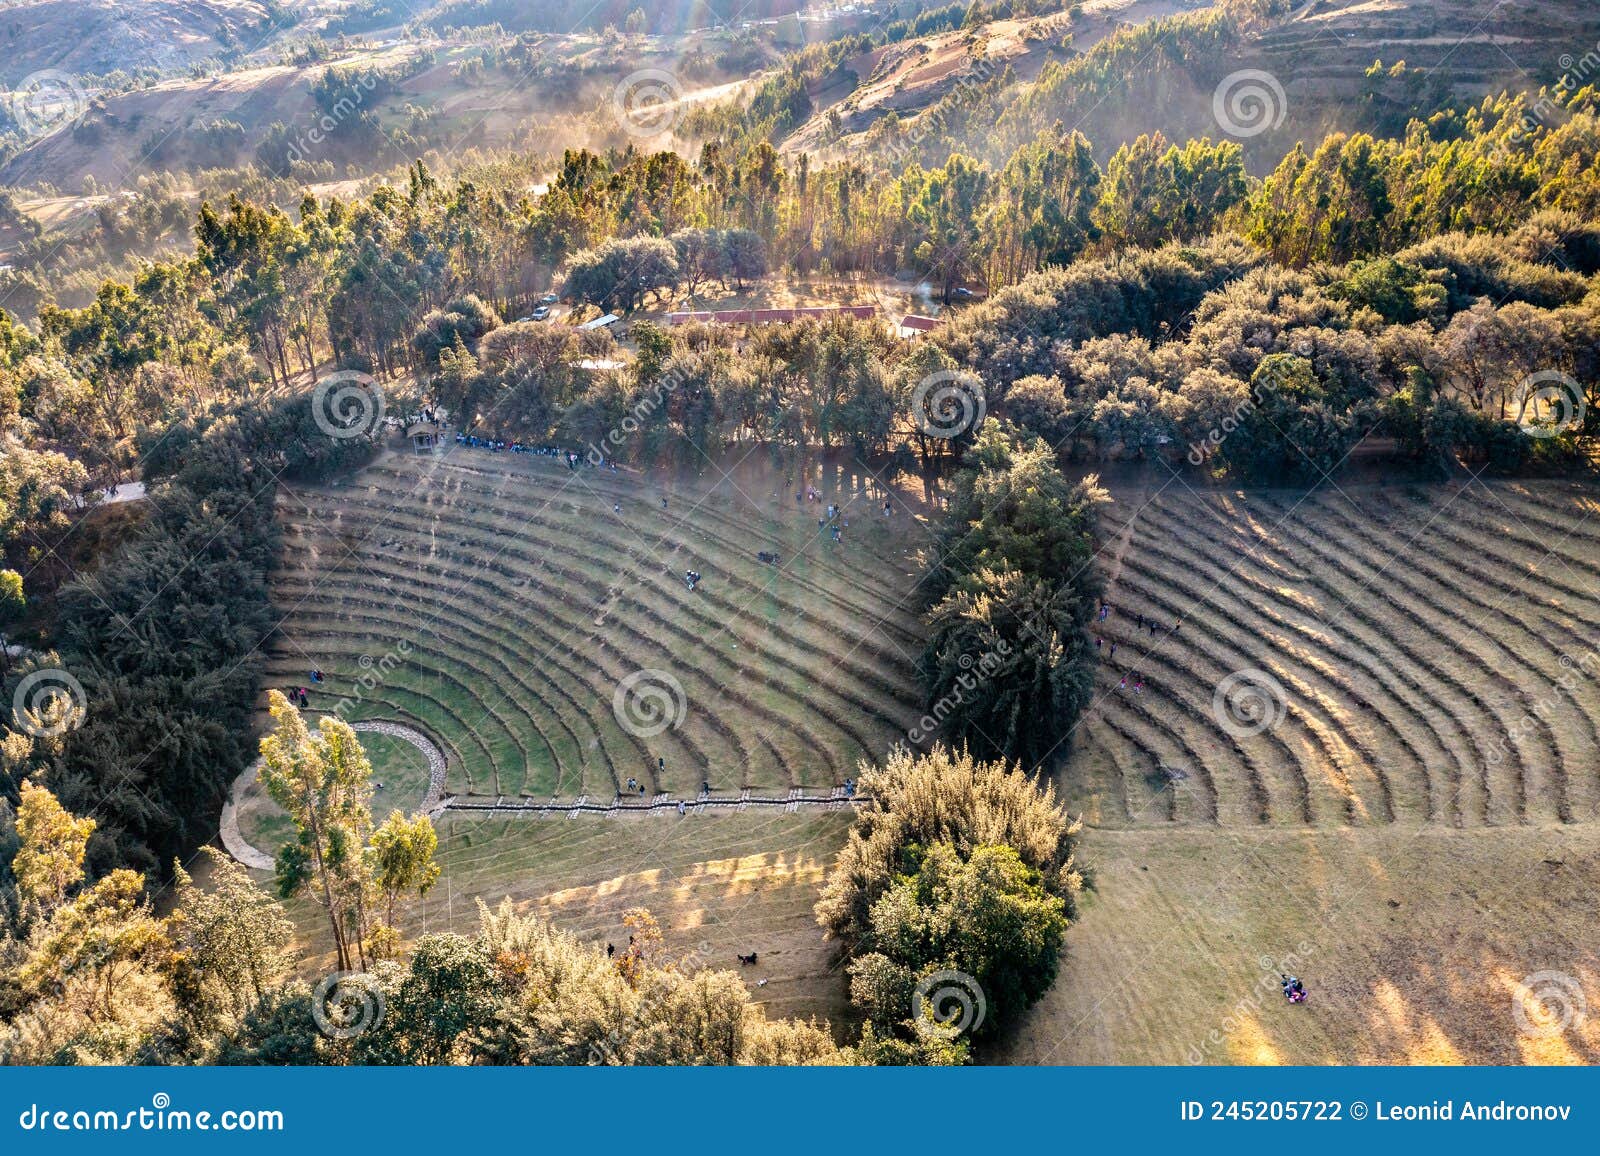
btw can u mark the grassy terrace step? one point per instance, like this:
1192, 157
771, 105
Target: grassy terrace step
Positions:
581, 633
1257, 779
1493, 587
1190, 670
1378, 582
693, 744
808, 551
714, 617
1469, 641
1396, 623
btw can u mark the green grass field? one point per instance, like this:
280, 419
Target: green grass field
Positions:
399, 775
500, 602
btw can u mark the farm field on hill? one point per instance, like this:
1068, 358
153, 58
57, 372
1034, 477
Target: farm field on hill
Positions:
531, 619
1411, 940
1402, 812
1412, 836
1413, 655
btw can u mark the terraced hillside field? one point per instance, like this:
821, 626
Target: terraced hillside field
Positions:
1360, 657
1367, 756
536, 622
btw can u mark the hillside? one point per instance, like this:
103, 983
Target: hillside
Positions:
97, 37
436, 93
907, 78
1125, 67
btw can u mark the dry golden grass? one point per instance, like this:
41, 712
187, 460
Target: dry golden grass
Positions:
720, 886
1412, 942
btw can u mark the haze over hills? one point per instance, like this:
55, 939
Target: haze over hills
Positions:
100, 37
480, 73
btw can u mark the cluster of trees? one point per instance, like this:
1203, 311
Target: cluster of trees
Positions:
958, 866
351, 281
1210, 352
164, 637
1215, 353
323, 782
955, 885
90, 973
1008, 666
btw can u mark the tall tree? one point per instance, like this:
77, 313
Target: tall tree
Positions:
324, 782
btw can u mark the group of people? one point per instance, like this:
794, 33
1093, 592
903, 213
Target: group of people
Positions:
691, 579
299, 695
836, 520
1104, 610
501, 446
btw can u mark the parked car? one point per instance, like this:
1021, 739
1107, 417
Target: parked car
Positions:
549, 299
541, 313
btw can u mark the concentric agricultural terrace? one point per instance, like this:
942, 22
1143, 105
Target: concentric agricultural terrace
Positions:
1398, 655
1408, 813
1421, 654
498, 602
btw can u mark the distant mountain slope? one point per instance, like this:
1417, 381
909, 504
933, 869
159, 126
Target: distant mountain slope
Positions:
96, 37
1118, 68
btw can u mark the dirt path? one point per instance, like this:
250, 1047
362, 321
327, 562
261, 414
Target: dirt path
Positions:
432, 801
795, 800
